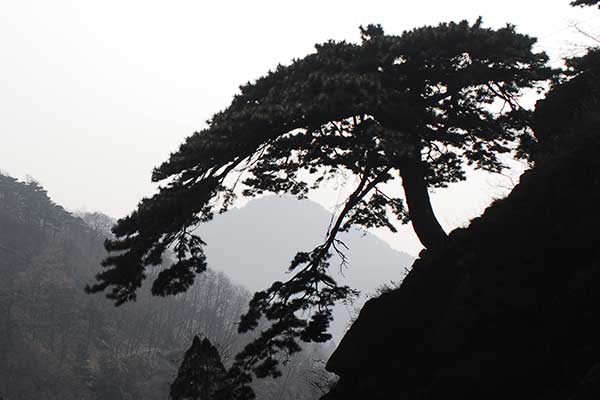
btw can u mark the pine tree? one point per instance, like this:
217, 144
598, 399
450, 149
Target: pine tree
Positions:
201, 373
414, 108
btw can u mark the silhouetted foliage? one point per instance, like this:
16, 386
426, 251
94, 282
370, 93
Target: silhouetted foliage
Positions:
418, 106
569, 104
571, 109
585, 2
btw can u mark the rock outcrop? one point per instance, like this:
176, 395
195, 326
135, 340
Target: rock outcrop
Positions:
510, 308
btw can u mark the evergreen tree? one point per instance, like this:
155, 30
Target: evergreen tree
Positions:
201, 373
414, 108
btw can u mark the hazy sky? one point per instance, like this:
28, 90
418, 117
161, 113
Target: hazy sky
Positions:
94, 94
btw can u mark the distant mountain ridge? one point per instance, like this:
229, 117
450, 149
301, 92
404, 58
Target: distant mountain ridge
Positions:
254, 245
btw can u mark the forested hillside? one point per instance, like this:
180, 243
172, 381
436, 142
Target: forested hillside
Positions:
59, 343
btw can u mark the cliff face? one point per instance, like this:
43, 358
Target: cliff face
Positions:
510, 308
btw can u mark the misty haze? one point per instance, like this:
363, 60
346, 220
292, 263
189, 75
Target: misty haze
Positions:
303, 201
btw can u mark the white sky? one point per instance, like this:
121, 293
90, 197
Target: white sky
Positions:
94, 94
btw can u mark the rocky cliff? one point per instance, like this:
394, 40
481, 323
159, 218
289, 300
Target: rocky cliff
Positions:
510, 308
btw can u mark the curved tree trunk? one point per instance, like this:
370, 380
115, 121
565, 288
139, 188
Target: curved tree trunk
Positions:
424, 222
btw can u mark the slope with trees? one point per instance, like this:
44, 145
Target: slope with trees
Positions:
58, 343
